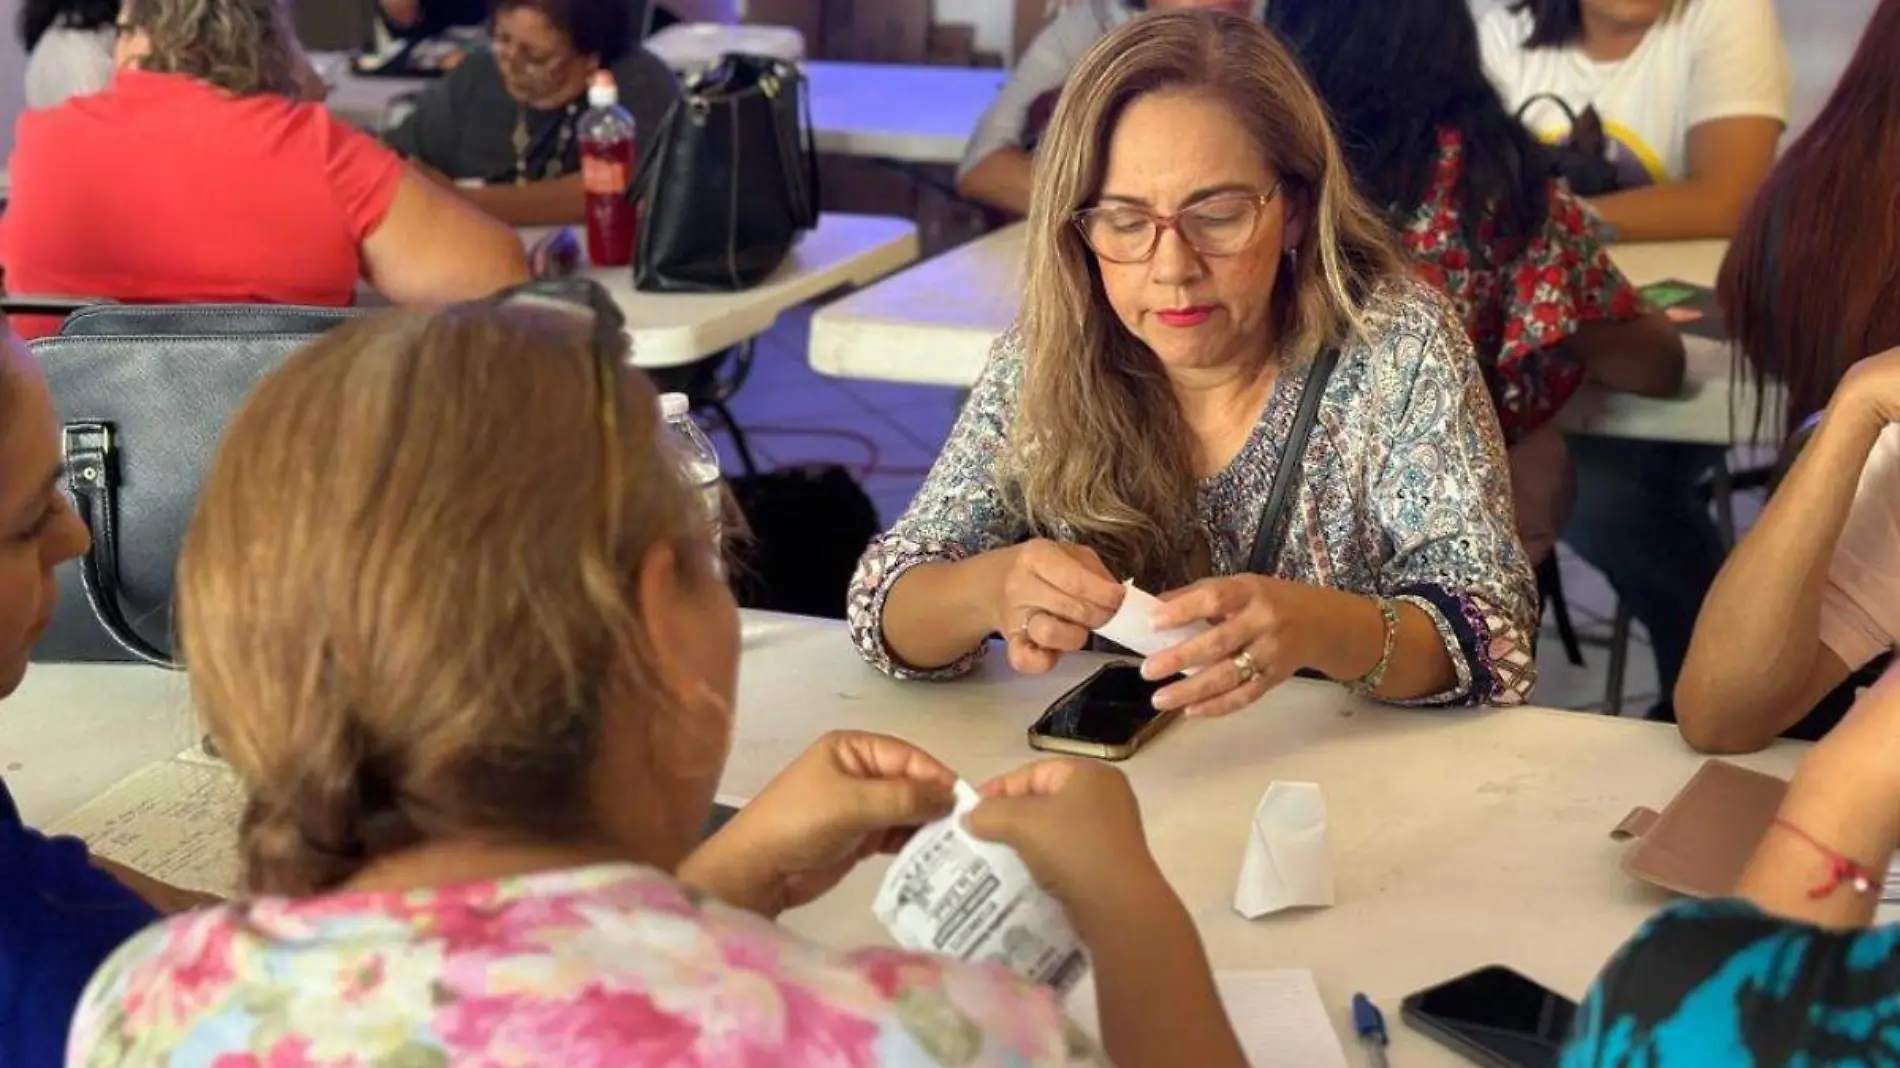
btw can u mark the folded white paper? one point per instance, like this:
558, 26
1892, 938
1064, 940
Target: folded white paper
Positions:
953, 893
1286, 864
1133, 626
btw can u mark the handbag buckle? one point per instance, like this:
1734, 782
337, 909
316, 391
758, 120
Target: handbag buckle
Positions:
85, 452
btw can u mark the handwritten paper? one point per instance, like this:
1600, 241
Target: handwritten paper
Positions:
175, 821
1277, 1015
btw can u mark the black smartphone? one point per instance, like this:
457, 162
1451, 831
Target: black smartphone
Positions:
1496, 1017
1109, 716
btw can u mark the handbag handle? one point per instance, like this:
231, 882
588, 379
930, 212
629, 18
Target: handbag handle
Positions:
1271, 535
87, 461
1570, 113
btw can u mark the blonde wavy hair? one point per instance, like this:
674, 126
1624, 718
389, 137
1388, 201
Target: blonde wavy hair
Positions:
1101, 451
245, 47
409, 578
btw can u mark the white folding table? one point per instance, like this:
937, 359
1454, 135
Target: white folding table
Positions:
1457, 838
676, 329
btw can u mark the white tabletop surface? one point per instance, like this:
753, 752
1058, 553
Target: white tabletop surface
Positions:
933, 325
674, 329
913, 114
1458, 838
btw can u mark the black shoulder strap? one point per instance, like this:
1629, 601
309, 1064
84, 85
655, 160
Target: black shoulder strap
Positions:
1273, 518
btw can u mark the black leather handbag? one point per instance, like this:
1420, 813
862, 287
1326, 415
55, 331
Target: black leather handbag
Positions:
142, 394
1582, 158
730, 183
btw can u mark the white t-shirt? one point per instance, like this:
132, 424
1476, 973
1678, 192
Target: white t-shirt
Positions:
67, 63
1710, 59
1860, 608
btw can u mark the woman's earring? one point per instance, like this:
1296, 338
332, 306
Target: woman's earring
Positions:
1293, 259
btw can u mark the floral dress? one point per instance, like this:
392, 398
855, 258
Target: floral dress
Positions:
1403, 492
605, 967
1519, 308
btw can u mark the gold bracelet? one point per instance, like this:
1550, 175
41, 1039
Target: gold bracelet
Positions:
1368, 684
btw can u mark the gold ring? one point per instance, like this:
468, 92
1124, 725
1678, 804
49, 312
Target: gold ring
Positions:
1023, 631
1248, 667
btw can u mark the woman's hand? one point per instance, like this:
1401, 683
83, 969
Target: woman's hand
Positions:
1051, 596
1077, 826
1259, 638
850, 795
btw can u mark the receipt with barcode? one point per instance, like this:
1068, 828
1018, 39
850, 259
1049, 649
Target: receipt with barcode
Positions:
950, 892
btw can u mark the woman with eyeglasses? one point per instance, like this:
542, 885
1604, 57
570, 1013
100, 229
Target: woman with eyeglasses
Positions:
202, 174
479, 728
502, 127
1195, 253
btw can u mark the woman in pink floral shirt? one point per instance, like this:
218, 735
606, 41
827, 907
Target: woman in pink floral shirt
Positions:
479, 697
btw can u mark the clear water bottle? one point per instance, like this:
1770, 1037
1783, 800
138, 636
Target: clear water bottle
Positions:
698, 459
607, 143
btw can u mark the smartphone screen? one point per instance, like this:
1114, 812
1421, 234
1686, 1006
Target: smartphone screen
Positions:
1109, 710
1499, 1012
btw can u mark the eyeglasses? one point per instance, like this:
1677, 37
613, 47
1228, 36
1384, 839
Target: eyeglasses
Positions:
1224, 225
515, 55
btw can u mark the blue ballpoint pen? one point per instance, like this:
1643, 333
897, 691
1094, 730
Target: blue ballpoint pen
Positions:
1370, 1023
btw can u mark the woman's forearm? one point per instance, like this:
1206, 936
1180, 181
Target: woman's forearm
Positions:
937, 613
1643, 356
1154, 989
555, 202
1676, 211
1350, 636
1758, 635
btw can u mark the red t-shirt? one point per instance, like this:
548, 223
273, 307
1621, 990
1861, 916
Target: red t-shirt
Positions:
163, 189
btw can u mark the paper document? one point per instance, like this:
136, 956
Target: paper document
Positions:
1277, 1015
949, 892
1132, 627
175, 821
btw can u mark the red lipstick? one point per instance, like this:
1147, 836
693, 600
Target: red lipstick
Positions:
1182, 318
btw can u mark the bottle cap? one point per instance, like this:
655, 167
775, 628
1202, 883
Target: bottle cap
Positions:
601, 90
674, 405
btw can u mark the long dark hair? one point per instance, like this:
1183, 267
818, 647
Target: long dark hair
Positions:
1394, 74
1811, 283
38, 16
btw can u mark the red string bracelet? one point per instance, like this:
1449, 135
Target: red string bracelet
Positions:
1840, 869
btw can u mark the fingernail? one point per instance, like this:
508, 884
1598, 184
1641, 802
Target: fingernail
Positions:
1148, 671
1163, 701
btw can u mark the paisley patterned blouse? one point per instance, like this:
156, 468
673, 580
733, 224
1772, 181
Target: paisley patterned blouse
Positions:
1404, 493
1709, 984
590, 968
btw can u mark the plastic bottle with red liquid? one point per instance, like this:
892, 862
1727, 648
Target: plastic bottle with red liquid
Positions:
607, 150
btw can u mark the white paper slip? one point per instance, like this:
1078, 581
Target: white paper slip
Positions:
1133, 627
1277, 1015
949, 892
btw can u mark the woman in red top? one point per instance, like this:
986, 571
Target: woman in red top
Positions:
199, 175
1526, 269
